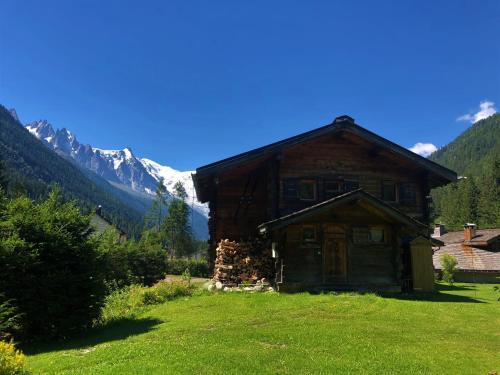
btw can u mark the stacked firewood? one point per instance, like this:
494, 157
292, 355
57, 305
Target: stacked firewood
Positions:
242, 262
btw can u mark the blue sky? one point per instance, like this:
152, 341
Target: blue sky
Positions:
186, 83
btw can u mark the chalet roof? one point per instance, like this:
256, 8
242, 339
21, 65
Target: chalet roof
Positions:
342, 123
483, 237
353, 196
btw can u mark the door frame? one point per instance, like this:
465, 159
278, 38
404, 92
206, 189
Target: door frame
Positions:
334, 232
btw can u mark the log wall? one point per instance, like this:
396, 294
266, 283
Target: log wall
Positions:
347, 158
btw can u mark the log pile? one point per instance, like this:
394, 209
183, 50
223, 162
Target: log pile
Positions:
242, 262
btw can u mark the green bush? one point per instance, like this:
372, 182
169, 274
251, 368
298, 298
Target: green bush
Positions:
449, 267
196, 268
166, 291
49, 267
11, 360
8, 319
129, 301
122, 303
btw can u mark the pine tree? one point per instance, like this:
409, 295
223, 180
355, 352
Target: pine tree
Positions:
468, 201
176, 226
489, 197
155, 215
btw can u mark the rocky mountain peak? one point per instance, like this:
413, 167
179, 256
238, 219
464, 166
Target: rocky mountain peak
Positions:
13, 112
117, 166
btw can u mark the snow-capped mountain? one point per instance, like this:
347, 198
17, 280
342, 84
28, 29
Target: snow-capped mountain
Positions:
120, 167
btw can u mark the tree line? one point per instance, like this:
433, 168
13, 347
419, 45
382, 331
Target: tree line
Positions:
475, 199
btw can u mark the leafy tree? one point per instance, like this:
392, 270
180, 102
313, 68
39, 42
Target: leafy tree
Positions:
114, 260
449, 267
147, 257
49, 266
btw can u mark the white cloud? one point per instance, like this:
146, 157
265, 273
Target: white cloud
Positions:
423, 149
486, 109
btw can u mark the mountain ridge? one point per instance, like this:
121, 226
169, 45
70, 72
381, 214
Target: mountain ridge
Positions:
117, 166
473, 150
34, 169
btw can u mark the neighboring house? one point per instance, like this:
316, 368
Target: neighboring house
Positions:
476, 250
339, 205
100, 224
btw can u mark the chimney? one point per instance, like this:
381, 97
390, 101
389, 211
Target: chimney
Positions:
343, 118
469, 231
439, 230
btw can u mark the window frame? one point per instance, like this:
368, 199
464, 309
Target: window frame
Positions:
357, 233
330, 193
314, 186
313, 239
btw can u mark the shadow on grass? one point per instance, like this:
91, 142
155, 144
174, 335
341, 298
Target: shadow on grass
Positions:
117, 330
437, 295
449, 287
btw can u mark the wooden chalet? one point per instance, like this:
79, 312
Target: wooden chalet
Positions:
339, 206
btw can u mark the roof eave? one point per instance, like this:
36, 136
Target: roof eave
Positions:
345, 198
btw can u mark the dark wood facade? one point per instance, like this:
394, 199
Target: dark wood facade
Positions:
286, 177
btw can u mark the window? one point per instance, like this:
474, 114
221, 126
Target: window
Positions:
307, 190
389, 191
360, 235
332, 189
377, 234
368, 235
309, 233
350, 186
408, 193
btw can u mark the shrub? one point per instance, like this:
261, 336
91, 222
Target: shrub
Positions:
11, 360
147, 258
196, 268
449, 267
49, 267
114, 261
129, 301
122, 303
8, 318
166, 291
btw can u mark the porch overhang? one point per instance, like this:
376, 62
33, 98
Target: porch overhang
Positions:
355, 196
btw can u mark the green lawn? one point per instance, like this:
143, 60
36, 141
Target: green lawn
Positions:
455, 331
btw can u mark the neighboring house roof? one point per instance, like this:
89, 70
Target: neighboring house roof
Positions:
100, 224
483, 237
470, 255
353, 196
469, 258
342, 123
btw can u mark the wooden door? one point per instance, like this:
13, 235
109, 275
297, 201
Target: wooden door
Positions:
335, 259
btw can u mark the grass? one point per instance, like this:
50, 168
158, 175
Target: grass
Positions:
454, 331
